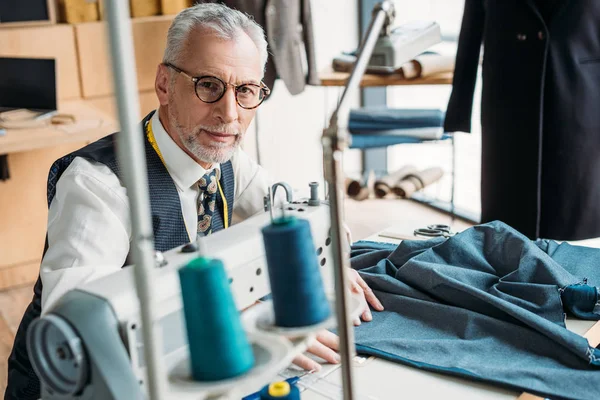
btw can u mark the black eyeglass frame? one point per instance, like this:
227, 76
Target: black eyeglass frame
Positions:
195, 79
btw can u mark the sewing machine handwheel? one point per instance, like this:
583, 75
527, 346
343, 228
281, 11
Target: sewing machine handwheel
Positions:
57, 355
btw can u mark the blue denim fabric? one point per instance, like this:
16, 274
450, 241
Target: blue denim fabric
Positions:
383, 118
369, 141
487, 304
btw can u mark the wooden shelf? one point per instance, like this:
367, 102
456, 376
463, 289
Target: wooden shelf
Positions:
332, 78
91, 124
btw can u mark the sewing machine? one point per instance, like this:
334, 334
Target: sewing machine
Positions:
396, 46
89, 344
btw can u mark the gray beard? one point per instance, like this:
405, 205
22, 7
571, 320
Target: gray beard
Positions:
214, 153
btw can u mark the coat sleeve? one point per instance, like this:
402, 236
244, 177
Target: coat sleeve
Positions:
309, 43
460, 106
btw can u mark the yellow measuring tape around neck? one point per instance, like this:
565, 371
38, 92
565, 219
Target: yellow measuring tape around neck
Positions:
152, 140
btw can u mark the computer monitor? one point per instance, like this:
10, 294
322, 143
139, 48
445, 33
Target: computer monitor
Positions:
28, 83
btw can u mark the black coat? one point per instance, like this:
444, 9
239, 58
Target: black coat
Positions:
540, 113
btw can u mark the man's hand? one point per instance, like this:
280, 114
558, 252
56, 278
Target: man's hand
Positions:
327, 343
325, 347
359, 286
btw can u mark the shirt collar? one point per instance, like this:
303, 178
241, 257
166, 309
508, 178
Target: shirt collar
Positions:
184, 170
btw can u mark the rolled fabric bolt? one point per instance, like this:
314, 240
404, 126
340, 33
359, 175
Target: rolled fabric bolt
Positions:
407, 187
384, 185
417, 181
355, 190
381, 190
353, 187
362, 195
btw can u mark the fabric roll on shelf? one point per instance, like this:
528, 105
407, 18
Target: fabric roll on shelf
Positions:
416, 181
356, 190
384, 185
428, 64
424, 65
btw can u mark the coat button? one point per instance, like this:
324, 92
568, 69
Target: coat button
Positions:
521, 37
541, 35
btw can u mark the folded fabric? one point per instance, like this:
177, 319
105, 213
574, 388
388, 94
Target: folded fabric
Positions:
487, 304
376, 141
384, 118
432, 133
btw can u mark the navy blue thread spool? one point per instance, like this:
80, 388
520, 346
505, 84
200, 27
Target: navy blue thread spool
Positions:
218, 345
298, 295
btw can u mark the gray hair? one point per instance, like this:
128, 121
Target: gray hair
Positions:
222, 21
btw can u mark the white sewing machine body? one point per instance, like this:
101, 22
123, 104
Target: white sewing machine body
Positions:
242, 251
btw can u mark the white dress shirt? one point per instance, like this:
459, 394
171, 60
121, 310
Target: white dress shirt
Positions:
89, 227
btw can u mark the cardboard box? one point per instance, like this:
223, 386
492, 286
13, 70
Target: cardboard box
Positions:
149, 37
172, 7
144, 8
53, 41
78, 11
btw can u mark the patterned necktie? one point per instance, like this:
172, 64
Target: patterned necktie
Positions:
207, 201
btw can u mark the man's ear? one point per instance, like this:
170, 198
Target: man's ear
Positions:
162, 84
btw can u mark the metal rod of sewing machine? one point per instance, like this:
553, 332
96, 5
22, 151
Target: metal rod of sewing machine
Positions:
333, 147
132, 159
383, 14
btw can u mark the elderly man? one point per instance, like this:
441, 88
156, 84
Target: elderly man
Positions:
209, 87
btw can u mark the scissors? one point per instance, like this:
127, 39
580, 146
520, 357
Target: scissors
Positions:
435, 230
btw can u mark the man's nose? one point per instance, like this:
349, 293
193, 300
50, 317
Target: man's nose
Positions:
226, 109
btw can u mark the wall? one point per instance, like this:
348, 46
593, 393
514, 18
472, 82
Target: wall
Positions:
290, 127
448, 13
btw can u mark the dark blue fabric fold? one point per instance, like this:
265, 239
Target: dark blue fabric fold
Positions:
486, 304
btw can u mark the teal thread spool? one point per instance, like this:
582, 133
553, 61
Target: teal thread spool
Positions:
219, 348
296, 285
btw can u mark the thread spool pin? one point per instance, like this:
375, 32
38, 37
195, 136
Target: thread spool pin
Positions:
314, 194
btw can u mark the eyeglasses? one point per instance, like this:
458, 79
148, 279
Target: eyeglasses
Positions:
211, 89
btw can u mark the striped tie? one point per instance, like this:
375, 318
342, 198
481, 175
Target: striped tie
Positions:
207, 201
